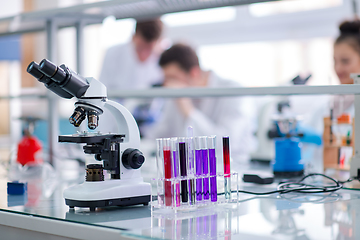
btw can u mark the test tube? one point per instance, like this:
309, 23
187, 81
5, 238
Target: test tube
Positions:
160, 170
226, 156
167, 172
205, 164
212, 160
159, 158
175, 169
183, 169
199, 169
191, 168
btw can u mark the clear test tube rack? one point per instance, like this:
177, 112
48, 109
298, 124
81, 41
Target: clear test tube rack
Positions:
184, 163
160, 201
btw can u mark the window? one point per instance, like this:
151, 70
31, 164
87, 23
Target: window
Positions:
271, 63
199, 17
290, 6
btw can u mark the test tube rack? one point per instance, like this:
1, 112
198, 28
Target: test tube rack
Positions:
173, 201
187, 177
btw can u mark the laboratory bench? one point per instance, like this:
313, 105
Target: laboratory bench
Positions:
41, 213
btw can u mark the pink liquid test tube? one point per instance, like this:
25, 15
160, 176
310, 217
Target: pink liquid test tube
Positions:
226, 156
198, 169
212, 161
167, 172
175, 169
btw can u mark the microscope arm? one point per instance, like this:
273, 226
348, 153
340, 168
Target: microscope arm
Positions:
125, 122
126, 125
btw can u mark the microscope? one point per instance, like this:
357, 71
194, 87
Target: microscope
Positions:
118, 152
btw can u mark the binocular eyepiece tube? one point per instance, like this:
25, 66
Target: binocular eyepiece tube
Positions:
34, 70
60, 80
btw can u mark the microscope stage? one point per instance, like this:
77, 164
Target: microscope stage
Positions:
90, 138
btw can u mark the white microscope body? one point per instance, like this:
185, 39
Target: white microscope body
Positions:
119, 152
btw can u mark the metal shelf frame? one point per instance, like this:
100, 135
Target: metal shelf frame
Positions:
219, 92
234, 92
94, 13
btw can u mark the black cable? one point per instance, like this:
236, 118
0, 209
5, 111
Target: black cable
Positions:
301, 187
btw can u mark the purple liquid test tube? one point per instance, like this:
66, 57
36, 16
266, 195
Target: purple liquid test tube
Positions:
205, 164
199, 169
212, 160
175, 169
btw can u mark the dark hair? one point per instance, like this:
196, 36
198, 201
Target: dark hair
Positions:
181, 54
150, 30
350, 33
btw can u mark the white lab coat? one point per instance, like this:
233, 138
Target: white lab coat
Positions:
122, 69
220, 116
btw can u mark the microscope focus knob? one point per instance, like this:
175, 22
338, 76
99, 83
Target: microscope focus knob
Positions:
132, 158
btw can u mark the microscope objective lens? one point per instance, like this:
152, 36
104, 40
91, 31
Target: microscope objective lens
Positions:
78, 116
93, 119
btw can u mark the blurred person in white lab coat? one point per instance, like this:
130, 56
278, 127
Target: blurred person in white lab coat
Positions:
220, 116
134, 65
346, 61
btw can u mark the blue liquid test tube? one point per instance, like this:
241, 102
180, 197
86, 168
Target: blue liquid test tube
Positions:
175, 169
205, 164
199, 169
212, 160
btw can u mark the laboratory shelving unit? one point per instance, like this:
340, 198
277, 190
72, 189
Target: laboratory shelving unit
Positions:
80, 16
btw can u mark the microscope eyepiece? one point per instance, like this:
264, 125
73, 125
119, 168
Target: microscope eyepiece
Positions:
47, 67
33, 69
52, 71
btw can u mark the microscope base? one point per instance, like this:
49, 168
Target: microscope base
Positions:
108, 193
109, 202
